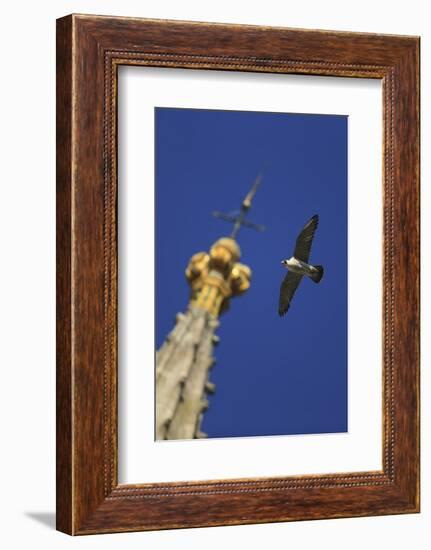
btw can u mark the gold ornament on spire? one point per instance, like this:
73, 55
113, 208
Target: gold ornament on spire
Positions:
215, 277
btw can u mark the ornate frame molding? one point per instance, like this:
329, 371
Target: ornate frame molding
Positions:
90, 49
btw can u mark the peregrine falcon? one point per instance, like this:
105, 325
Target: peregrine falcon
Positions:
298, 266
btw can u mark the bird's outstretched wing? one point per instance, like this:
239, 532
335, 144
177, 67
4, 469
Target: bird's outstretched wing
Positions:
305, 238
287, 290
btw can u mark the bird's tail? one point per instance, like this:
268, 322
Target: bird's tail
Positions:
317, 275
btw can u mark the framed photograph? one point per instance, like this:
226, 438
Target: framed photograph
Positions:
237, 274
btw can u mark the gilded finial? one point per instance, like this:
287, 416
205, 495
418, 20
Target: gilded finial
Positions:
216, 276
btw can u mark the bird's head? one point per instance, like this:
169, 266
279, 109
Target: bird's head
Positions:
284, 262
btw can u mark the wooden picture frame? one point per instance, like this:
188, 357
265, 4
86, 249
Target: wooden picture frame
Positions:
89, 51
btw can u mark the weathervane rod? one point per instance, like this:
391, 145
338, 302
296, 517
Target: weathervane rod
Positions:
239, 219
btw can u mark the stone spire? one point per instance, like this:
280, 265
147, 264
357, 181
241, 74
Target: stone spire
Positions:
184, 361
186, 357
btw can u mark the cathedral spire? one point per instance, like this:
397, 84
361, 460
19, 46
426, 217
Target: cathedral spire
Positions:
185, 358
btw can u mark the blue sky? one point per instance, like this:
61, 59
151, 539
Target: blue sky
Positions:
274, 376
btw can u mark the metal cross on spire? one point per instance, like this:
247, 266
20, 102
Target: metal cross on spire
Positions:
238, 216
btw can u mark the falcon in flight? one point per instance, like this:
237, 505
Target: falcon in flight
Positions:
298, 266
